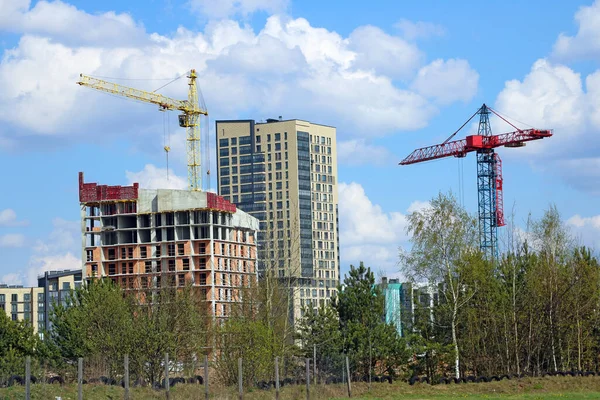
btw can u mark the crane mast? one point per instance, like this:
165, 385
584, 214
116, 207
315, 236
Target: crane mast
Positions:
489, 170
188, 119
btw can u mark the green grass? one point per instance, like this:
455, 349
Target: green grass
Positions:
565, 388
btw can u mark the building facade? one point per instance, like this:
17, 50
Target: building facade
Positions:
407, 305
145, 240
35, 304
285, 174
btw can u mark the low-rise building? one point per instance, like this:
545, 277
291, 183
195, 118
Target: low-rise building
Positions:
35, 304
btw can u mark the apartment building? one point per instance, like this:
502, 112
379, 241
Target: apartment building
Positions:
284, 172
35, 304
147, 239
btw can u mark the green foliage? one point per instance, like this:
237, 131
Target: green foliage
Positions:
17, 340
101, 324
354, 326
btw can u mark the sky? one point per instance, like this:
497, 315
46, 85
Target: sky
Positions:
391, 76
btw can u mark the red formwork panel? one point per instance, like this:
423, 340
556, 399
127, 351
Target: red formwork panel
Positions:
217, 202
90, 192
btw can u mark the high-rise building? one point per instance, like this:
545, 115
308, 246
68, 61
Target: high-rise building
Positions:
147, 239
284, 172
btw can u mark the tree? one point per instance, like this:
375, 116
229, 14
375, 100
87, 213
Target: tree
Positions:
17, 340
175, 322
367, 339
97, 322
444, 243
321, 328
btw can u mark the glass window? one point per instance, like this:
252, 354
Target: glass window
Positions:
233, 141
224, 142
27, 297
278, 136
233, 151
257, 138
14, 297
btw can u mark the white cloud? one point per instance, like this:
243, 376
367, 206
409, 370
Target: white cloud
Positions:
586, 229
419, 29
12, 240
40, 264
8, 217
289, 67
360, 152
60, 250
447, 81
226, 8
12, 279
586, 43
152, 177
68, 24
385, 54
369, 234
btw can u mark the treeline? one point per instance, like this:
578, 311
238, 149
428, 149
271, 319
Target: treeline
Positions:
535, 309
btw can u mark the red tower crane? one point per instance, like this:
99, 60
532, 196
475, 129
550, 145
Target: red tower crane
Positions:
489, 169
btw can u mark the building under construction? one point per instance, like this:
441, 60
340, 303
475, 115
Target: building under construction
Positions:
146, 239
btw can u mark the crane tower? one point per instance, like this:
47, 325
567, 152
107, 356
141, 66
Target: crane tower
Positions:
189, 119
489, 169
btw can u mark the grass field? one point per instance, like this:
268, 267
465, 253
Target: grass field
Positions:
528, 388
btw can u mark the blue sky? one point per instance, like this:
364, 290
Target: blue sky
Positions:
391, 76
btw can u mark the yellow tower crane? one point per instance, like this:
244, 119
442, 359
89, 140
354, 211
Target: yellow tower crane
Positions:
189, 119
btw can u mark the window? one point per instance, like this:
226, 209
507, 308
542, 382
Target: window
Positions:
269, 139
158, 251
123, 252
233, 151
14, 297
130, 268
171, 265
180, 249
233, 141
186, 264
130, 252
277, 146
258, 148
143, 252
171, 250
257, 138
278, 136
181, 279
90, 255
234, 160
148, 267
224, 142
112, 269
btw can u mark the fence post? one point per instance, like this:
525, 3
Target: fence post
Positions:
80, 378
240, 377
315, 363
28, 377
308, 379
126, 377
276, 378
206, 376
167, 385
348, 375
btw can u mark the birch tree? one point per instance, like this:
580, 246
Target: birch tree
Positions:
444, 245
